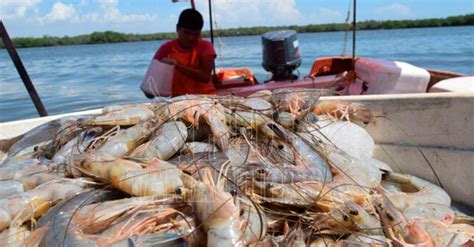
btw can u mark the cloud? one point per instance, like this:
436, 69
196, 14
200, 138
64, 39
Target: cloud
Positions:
329, 15
12, 9
395, 10
110, 13
61, 12
235, 13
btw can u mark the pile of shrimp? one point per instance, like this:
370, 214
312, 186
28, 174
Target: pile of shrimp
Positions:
217, 171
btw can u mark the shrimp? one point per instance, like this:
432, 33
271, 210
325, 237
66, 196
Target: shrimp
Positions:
76, 146
10, 187
61, 229
14, 236
251, 120
170, 137
191, 110
124, 142
259, 105
35, 202
309, 164
217, 212
254, 220
198, 147
142, 223
431, 210
338, 110
296, 101
121, 116
130, 177
445, 234
365, 240
262, 94
37, 135
87, 220
348, 218
426, 192
396, 227
285, 119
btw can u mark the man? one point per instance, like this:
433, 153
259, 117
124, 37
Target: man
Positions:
192, 56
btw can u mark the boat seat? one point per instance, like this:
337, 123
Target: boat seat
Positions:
235, 77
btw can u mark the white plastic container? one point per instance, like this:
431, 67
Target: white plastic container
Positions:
463, 84
391, 77
158, 79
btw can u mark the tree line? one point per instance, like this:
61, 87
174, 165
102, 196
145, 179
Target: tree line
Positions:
115, 37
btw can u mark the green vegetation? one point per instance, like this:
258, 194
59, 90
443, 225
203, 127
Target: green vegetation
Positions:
114, 37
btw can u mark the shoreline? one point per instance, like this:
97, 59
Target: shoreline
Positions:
109, 37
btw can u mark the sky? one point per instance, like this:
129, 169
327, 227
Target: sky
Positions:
35, 18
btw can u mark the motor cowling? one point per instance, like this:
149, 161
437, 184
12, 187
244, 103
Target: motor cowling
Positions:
281, 54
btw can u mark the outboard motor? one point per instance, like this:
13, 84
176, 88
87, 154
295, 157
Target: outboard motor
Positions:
281, 54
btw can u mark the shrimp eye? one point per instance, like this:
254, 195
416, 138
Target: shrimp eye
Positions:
178, 190
354, 212
280, 146
233, 192
345, 217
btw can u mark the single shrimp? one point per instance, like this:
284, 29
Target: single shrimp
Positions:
130, 177
396, 227
339, 110
170, 137
356, 239
309, 164
60, 224
253, 121
198, 147
141, 223
88, 219
34, 203
426, 192
285, 119
349, 218
296, 101
76, 146
191, 110
124, 142
259, 105
433, 211
121, 116
217, 212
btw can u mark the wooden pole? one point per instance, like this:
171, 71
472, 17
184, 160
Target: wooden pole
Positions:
212, 39
22, 71
354, 31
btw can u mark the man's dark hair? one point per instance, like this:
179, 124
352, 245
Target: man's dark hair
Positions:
191, 19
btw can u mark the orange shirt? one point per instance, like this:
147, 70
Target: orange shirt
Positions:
183, 84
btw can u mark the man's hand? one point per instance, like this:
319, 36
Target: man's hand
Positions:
169, 61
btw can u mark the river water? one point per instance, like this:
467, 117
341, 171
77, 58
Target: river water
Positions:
74, 78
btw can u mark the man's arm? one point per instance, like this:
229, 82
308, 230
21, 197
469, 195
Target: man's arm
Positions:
202, 74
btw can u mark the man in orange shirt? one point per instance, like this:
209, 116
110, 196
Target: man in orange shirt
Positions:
192, 57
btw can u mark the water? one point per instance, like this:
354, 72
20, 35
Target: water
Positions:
74, 78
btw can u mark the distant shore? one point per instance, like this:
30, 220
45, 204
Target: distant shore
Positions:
115, 37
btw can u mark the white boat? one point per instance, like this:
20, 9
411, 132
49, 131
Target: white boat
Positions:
427, 135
